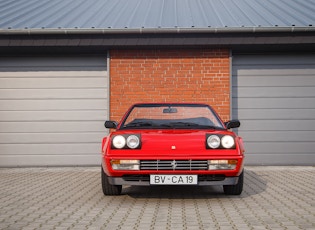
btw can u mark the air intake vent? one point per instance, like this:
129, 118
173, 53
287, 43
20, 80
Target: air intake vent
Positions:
173, 165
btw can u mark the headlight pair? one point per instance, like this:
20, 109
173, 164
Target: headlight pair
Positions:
126, 141
220, 141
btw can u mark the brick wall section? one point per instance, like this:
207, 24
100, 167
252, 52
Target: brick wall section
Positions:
181, 75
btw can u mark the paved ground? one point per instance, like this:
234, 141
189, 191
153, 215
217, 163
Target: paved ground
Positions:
71, 198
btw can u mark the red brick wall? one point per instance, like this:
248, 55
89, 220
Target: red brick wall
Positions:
181, 75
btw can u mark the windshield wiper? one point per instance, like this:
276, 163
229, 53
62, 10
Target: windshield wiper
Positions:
185, 124
190, 124
138, 124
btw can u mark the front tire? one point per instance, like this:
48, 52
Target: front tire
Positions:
235, 189
109, 189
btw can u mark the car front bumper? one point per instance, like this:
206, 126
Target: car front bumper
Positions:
144, 180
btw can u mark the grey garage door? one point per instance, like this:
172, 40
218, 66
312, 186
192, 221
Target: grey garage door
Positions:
52, 110
274, 97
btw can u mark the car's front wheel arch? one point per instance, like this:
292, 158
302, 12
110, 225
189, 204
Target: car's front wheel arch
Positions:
109, 189
235, 189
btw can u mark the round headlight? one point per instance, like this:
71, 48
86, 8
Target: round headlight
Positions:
133, 141
119, 142
213, 141
227, 141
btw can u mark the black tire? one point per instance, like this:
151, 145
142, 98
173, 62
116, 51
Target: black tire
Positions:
109, 189
235, 189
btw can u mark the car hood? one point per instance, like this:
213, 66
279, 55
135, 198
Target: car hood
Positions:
175, 140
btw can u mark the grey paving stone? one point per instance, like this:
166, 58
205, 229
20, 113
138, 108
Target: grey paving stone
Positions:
71, 198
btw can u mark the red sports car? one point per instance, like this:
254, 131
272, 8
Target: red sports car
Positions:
172, 144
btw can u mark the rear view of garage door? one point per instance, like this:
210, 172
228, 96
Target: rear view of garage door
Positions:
52, 110
274, 97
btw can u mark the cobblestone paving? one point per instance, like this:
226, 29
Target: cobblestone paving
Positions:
71, 198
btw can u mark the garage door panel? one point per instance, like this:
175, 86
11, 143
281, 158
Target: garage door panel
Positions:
280, 147
272, 103
55, 126
274, 92
53, 115
50, 160
276, 70
54, 138
293, 61
277, 158
52, 83
51, 74
50, 149
46, 63
277, 114
281, 136
274, 80
53, 93
271, 125
52, 104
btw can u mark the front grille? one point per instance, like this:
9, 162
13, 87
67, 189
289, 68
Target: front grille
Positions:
175, 165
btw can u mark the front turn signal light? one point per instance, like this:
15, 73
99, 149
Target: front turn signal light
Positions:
222, 164
125, 164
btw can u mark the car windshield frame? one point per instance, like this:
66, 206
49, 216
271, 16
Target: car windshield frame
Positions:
171, 116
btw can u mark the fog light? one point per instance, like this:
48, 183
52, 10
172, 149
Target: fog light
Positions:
222, 164
125, 164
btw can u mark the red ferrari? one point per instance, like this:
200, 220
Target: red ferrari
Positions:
172, 144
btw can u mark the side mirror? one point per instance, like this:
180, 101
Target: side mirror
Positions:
232, 124
111, 124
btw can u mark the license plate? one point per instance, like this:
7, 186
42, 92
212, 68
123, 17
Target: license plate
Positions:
174, 179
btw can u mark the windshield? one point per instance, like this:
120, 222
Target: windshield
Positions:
151, 116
